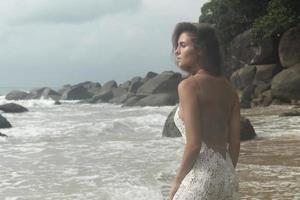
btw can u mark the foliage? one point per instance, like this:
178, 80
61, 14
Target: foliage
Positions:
232, 17
281, 15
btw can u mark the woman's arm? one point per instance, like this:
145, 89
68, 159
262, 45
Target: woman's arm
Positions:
234, 132
190, 111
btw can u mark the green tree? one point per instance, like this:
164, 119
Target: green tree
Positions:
232, 17
281, 15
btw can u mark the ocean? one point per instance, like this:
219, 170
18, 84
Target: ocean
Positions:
108, 152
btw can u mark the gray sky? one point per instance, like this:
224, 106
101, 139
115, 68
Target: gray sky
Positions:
55, 42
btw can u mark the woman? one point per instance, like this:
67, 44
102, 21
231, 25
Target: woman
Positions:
208, 117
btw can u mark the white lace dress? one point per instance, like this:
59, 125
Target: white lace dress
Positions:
211, 178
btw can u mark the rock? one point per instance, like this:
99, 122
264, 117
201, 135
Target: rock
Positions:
149, 76
121, 99
265, 73
132, 100
267, 98
260, 88
246, 96
49, 93
109, 85
3, 135
243, 77
289, 47
247, 131
16, 95
36, 93
285, 85
166, 82
240, 51
292, 113
92, 87
163, 99
264, 99
125, 85
13, 108
266, 51
103, 96
64, 88
76, 93
170, 129
57, 102
118, 92
4, 123
136, 83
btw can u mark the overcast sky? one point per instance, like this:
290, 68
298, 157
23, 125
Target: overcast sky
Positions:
55, 42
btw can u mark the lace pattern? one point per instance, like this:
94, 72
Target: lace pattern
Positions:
212, 176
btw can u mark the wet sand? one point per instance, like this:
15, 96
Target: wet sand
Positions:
269, 168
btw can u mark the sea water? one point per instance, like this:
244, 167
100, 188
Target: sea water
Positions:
109, 152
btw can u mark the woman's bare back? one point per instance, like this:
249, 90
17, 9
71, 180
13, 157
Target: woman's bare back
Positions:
216, 98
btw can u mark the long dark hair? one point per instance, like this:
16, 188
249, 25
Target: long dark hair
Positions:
204, 38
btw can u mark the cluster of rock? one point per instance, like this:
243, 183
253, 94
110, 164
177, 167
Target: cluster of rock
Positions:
267, 73
152, 90
9, 108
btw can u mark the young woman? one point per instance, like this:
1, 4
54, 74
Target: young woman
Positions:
208, 117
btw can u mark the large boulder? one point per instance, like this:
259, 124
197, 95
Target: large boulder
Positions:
92, 87
266, 51
49, 93
289, 47
240, 52
76, 93
43, 92
130, 101
4, 123
121, 99
246, 96
170, 129
149, 76
247, 131
13, 108
166, 82
136, 83
125, 85
64, 88
285, 85
243, 77
16, 95
265, 73
3, 135
163, 99
109, 85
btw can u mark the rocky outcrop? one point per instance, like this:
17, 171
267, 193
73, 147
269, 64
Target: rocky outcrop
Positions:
286, 84
3, 135
242, 51
4, 123
16, 95
170, 129
289, 47
76, 93
162, 99
247, 131
13, 108
43, 92
166, 82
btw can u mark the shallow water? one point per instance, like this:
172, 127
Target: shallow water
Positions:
107, 152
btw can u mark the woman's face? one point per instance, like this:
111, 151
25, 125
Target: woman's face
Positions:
187, 56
